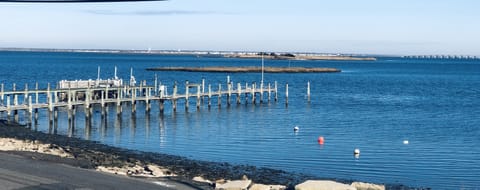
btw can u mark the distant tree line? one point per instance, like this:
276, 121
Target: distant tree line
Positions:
276, 55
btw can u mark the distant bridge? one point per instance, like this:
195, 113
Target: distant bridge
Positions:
440, 57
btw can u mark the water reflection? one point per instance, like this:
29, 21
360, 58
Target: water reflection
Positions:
88, 127
133, 125
162, 131
118, 130
147, 126
71, 124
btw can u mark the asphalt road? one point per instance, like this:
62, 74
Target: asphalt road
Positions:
23, 172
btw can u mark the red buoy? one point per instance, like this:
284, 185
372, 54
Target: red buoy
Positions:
321, 140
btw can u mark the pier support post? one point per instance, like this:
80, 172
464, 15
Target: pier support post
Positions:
174, 97
286, 94
102, 103
15, 115
246, 93
35, 116
30, 105
9, 109
15, 96
48, 91
308, 91
186, 95
88, 110
29, 111
203, 85
36, 93
133, 103
50, 118
219, 101
253, 93
55, 94
119, 103
147, 100
261, 92
198, 97
69, 100
25, 94
239, 92
269, 92
155, 92
55, 114
50, 110
229, 92
69, 115
276, 91
209, 96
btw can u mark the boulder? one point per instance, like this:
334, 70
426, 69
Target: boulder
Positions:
158, 171
323, 185
367, 186
267, 187
202, 180
234, 185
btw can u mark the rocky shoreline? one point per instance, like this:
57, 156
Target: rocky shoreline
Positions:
93, 155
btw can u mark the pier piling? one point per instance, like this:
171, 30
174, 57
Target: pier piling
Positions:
25, 94
9, 111
36, 93
209, 96
147, 100
229, 92
308, 91
261, 92
198, 97
286, 94
219, 101
186, 95
239, 92
253, 93
15, 96
133, 94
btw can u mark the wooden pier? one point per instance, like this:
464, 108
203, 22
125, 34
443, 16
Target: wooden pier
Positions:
33, 100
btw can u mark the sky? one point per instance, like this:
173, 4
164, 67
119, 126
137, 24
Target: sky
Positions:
406, 27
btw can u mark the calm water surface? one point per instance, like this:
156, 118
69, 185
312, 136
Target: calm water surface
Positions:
373, 106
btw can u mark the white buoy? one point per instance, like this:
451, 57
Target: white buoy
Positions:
356, 151
296, 128
405, 141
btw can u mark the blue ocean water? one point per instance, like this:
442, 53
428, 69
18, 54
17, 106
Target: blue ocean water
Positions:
372, 105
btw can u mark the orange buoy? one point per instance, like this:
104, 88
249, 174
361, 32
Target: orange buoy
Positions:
321, 140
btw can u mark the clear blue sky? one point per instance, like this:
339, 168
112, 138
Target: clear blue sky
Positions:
341, 26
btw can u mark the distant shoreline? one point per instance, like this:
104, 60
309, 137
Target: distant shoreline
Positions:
248, 69
200, 53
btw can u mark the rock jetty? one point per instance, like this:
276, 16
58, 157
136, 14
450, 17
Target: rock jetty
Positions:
249, 69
